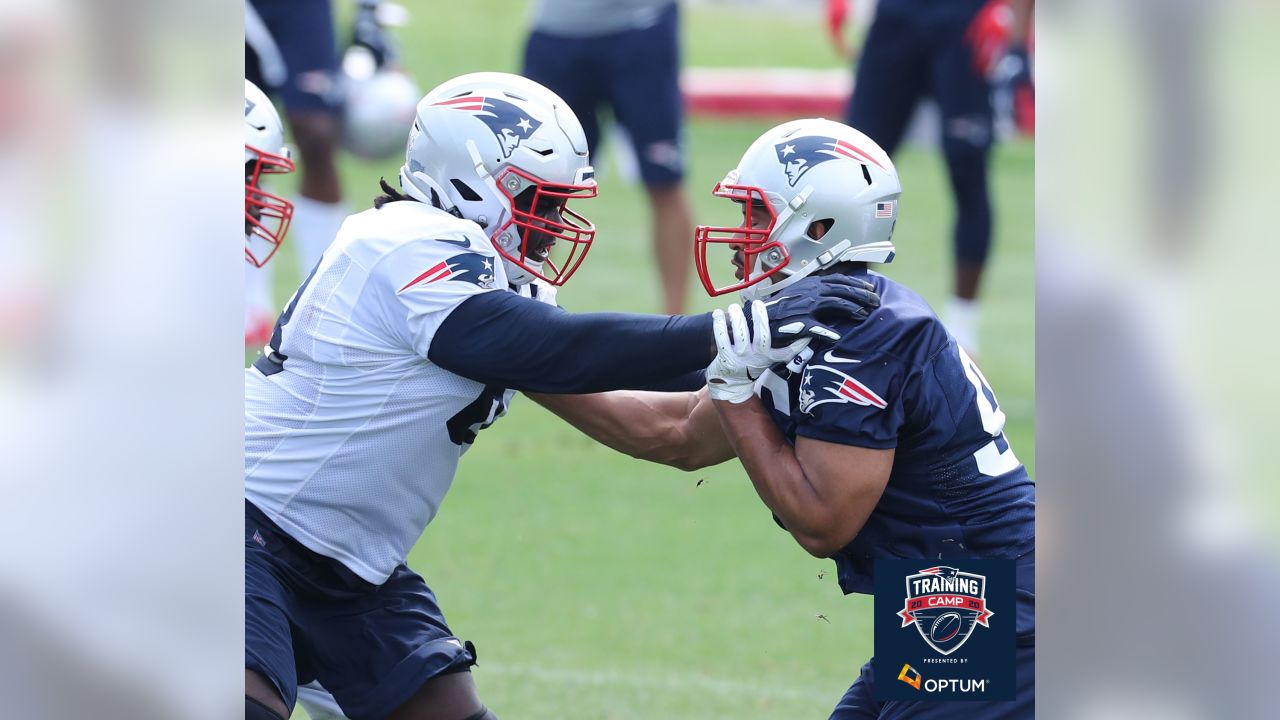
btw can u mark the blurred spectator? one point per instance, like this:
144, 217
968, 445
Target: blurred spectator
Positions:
944, 49
625, 55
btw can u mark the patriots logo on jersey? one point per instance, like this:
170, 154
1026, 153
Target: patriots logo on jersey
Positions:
508, 122
822, 384
799, 155
468, 267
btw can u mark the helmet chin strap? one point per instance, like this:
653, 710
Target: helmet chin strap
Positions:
516, 275
768, 286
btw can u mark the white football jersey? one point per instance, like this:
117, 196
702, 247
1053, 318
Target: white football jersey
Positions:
351, 447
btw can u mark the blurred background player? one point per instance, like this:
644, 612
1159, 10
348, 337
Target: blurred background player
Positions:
266, 220
625, 56
266, 216
946, 50
291, 52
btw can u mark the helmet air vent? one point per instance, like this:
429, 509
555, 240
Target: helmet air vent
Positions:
465, 190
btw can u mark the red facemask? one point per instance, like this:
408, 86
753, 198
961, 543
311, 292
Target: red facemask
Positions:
749, 241
549, 231
266, 216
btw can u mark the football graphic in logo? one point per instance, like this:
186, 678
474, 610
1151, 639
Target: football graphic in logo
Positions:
945, 627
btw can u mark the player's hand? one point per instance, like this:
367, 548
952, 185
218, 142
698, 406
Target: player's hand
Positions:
744, 350
369, 32
1015, 95
988, 35
812, 307
544, 292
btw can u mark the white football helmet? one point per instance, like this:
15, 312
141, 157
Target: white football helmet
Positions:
266, 216
378, 108
802, 172
509, 154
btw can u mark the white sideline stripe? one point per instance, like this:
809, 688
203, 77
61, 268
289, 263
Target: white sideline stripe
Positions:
767, 81
682, 682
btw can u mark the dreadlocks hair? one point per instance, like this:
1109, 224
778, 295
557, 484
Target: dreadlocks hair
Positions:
389, 194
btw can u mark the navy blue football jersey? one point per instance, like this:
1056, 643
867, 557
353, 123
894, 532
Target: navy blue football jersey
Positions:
899, 380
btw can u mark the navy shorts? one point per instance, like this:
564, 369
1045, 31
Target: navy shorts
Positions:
860, 702
307, 617
914, 49
303, 35
636, 74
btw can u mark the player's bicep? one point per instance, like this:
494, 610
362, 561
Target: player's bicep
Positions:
849, 480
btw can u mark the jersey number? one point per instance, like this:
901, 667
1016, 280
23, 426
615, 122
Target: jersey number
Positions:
273, 361
480, 414
996, 457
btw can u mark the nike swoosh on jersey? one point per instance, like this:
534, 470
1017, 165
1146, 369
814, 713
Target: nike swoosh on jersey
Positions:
463, 243
833, 358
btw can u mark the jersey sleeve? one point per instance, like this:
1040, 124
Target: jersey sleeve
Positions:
423, 281
519, 343
859, 404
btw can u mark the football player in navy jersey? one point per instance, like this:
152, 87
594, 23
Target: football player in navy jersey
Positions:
885, 444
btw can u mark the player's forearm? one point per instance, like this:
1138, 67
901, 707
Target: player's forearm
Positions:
777, 475
667, 428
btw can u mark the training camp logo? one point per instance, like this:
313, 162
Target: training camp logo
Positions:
801, 154
945, 604
822, 384
468, 267
507, 121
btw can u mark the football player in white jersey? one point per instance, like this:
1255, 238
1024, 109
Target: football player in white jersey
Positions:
420, 322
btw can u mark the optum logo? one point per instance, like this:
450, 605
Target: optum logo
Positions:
955, 685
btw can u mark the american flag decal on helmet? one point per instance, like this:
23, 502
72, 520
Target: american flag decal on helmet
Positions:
884, 209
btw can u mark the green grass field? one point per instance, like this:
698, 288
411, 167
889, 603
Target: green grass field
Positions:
596, 586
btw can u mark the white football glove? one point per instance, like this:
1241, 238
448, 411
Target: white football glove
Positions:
543, 292
743, 356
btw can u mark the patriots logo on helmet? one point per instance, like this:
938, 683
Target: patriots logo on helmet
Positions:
468, 267
507, 121
822, 384
801, 154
